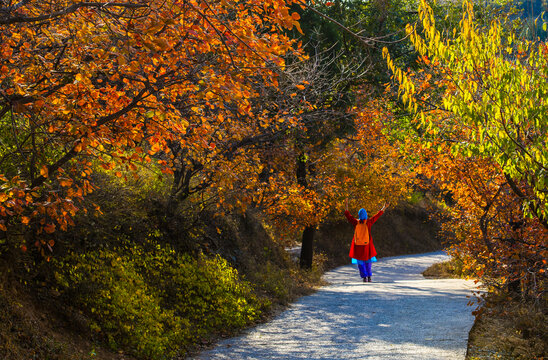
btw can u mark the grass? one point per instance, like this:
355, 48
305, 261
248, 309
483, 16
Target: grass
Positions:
450, 269
509, 328
31, 329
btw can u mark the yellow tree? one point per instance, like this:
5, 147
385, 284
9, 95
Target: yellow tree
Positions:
492, 91
480, 128
365, 167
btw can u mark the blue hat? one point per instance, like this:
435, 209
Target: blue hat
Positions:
362, 214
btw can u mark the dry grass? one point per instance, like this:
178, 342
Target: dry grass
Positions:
506, 328
451, 269
509, 329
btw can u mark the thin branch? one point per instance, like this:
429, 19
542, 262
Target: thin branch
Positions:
14, 7
66, 11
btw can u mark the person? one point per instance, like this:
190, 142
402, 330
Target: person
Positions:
362, 250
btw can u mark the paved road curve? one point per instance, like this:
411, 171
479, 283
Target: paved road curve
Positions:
400, 315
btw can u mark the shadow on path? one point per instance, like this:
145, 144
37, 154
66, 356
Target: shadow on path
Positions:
401, 315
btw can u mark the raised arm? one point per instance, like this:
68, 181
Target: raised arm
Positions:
349, 216
351, 219
378, 215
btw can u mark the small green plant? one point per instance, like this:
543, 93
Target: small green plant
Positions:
123, 308
154, 302
416, 197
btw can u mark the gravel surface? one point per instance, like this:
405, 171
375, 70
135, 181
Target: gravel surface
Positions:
400, 315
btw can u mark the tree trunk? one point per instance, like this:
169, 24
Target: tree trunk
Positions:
307, 249
514, 287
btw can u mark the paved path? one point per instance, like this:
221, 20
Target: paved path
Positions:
400, 315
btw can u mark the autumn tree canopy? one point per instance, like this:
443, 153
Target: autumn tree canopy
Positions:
87, 83
480, 132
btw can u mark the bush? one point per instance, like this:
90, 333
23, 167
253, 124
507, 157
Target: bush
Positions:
155, 302
508, 328
208, 292
450, 269
284, 285
123, 308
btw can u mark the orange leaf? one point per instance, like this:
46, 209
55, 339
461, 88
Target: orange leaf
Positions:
65, 182
49, 228
44, 171
298, 26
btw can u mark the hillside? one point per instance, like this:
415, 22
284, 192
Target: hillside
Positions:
42, 321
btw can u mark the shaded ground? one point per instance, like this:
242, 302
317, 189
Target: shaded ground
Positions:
401, 315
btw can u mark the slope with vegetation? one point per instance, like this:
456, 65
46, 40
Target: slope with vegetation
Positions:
156, 157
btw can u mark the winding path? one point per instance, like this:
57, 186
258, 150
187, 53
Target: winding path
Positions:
400, 315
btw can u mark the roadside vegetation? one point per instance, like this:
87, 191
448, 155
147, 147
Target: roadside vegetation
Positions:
157, 156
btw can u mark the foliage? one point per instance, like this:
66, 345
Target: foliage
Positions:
155, 302
366, 168
123, 83
493, 97
479, 139
353, 33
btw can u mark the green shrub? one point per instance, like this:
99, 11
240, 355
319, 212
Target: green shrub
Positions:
155, 302
123, 308
206, 291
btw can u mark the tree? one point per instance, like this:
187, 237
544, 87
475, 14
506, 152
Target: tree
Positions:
480, 105
494, 93
349, 59
86, 83
365, 167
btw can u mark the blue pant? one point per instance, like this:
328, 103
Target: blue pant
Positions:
365, 269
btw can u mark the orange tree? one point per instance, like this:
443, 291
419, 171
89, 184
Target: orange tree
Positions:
364, 166
87, 83
480, 125
311, 149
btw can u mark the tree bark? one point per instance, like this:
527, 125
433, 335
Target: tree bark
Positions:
307, 249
